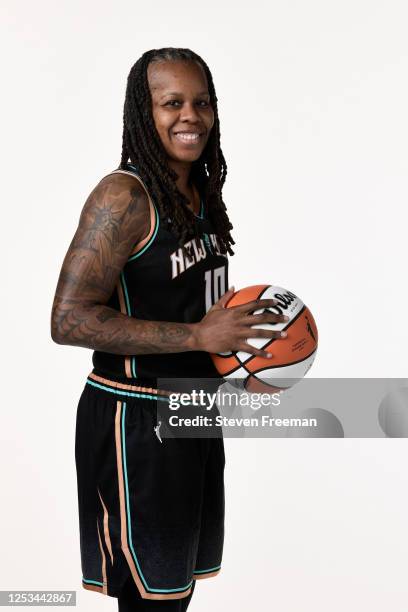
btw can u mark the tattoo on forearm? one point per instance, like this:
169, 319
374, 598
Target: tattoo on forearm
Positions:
105, 329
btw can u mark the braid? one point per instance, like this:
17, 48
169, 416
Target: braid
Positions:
141, 143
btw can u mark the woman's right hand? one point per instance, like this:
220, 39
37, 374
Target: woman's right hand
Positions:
227, 329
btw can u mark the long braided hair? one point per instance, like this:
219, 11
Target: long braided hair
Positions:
142, 144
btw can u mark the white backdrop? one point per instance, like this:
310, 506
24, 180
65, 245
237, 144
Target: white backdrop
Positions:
313, 102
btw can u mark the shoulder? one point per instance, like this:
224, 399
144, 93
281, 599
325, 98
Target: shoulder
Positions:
121, 201
122, 190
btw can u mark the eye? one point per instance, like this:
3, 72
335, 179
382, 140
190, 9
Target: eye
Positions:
174, 103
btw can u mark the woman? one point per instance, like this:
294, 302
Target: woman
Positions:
143, 284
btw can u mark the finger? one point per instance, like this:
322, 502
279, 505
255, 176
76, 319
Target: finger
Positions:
248, 348
224, 298
265, 333
255, 305
265, 317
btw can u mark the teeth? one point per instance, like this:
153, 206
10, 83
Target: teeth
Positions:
188, 137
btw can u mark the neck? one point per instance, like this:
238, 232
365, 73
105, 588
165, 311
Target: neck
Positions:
183, 171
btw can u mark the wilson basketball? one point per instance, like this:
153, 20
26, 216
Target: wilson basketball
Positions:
292, 356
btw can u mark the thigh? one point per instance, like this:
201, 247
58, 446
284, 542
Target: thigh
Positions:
211, 542
104, 567
140, 498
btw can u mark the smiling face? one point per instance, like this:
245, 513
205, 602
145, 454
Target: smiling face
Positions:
181, 106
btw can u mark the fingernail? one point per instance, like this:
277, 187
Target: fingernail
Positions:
269, 355
283, 334
286, 318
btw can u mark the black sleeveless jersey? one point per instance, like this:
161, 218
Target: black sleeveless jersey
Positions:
159, 283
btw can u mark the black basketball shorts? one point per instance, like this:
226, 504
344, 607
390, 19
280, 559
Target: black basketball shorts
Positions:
149, 508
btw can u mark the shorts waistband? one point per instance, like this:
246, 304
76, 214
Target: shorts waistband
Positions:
125, 389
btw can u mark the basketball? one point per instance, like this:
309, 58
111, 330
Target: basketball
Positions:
292, 356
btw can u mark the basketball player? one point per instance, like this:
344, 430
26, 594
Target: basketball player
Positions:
144, 284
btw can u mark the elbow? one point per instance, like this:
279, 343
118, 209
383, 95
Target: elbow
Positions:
63, 321
55, 330
56, 335
56, 339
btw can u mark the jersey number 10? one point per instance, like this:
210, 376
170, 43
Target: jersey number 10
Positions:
214, 286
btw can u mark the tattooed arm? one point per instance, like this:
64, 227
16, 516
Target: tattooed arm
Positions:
115, 216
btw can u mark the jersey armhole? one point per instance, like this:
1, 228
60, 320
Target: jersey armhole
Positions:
142, 245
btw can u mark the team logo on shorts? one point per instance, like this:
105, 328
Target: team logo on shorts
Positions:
157, 432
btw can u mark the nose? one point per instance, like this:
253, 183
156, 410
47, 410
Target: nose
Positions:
189, 113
